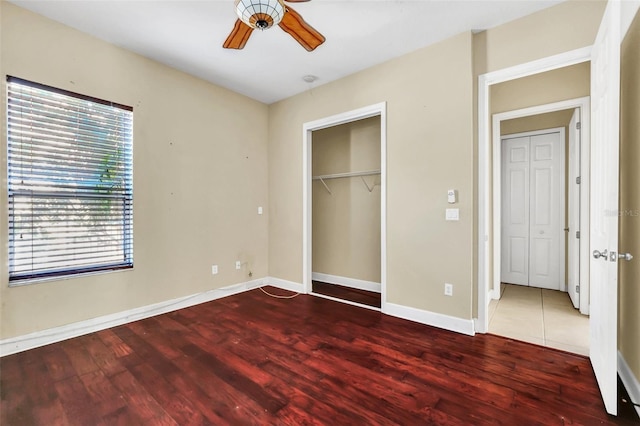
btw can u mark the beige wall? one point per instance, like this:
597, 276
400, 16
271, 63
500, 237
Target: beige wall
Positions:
629, 305
346, 222
570, 25
548, 120
539, 89
196, 199
431, 148
200, 171
429, 118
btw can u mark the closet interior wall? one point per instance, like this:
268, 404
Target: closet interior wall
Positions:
346, 210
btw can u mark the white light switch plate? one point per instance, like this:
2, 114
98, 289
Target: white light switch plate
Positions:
452, 214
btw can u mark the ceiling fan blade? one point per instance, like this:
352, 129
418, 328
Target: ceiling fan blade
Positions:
239, 36
304, 33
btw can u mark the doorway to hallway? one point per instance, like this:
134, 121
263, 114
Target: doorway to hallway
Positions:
537, 218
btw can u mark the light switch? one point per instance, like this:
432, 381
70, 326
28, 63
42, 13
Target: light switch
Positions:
452, 214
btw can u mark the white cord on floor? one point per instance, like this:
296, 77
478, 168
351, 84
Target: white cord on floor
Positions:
276, 296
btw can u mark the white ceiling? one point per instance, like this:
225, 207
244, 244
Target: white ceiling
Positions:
188, 35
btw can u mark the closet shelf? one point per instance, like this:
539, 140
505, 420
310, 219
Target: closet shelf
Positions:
346, 175
362, 174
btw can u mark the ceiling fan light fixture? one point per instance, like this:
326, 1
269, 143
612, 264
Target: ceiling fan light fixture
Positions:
260, 14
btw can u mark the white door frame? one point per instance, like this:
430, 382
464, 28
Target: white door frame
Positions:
497, 200
376, 110
585, 118
574, 172
485, 81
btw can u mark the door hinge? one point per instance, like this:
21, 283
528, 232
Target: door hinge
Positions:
578, 125
578, 180
578, 289
577, 234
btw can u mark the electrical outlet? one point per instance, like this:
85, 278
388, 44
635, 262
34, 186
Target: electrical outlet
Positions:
214, 269
259, 210
238, 264
448, 289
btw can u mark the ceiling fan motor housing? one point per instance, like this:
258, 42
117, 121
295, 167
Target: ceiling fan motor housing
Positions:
260, 14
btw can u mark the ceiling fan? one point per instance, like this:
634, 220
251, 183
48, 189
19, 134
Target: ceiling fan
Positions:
263, 14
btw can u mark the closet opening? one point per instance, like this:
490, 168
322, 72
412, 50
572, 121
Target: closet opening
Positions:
344, 207
345, 211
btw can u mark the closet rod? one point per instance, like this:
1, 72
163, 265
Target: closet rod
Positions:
348, 174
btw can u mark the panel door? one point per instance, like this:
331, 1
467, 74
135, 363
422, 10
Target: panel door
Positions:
546, 208
515, 210
603, 209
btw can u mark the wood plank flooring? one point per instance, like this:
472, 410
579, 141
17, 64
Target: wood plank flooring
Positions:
253, 359
363, 297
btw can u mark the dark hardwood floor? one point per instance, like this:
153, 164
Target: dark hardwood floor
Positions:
363, 297
253, 359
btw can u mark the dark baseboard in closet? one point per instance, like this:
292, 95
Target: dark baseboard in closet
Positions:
369, 298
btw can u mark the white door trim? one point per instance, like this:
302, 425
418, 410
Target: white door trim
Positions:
585, 113
485, 81
380, 110
573, 205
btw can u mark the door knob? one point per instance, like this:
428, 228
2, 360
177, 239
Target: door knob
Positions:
625, 256
597, 254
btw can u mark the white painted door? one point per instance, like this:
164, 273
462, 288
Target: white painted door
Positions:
605, 146
573, 242
546, 211
515, 210
533, 210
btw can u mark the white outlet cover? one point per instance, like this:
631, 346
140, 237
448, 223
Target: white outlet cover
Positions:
238, 264
448, 289
259, 210
452, 214
214, 269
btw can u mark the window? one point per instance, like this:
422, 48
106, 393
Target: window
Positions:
70, 183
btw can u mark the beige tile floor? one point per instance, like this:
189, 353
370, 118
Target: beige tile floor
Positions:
540, 316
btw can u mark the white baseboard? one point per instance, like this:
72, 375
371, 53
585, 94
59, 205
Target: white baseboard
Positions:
52, 335
629, 380
57, 334
495, 294
284, 284
347, 282
434, 319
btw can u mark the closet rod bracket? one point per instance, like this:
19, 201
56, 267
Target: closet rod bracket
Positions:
325, 185
370, 189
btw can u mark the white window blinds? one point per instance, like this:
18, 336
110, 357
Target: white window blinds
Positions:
69, 182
